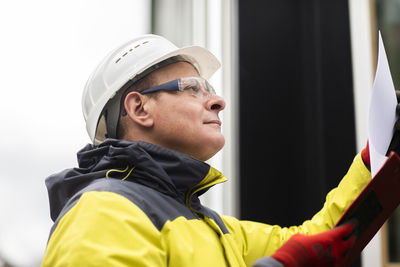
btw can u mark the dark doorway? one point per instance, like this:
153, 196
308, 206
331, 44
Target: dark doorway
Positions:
297, 132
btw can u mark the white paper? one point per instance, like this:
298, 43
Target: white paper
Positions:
382, 112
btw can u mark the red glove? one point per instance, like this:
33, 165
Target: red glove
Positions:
365, 156
325, 249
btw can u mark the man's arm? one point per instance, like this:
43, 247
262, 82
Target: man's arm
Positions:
258, 240
327, 249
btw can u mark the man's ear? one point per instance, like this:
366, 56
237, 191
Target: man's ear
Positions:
137, 106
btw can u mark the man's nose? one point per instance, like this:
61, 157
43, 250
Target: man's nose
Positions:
215, 103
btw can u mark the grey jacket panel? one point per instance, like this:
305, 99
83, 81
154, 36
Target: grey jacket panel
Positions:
267, 262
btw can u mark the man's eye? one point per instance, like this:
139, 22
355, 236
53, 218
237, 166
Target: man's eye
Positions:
192, 88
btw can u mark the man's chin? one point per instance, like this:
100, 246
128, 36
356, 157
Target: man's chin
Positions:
214, 147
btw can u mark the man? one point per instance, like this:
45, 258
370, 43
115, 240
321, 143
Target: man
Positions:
133, 201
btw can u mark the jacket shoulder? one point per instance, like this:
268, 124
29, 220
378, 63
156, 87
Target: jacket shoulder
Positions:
99, 225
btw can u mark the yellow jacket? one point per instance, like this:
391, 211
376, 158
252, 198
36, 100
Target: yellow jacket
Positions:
147, 212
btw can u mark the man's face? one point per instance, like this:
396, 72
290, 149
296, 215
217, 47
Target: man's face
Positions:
182, 121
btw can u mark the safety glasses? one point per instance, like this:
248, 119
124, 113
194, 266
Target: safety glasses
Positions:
196, 86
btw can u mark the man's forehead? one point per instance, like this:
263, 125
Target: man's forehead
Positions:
173, 71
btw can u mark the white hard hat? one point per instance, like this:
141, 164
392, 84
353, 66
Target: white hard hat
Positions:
124, 64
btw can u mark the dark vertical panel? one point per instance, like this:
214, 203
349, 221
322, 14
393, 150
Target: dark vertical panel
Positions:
297, 136
270, 78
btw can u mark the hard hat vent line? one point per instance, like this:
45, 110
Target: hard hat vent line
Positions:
130, 50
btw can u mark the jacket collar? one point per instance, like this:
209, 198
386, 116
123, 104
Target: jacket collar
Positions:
165, 170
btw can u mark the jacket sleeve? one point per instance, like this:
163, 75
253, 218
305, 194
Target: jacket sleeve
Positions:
104, 229
257, 240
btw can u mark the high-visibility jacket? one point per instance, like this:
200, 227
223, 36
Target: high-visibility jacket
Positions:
137, 204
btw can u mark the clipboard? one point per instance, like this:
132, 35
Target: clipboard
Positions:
374, 205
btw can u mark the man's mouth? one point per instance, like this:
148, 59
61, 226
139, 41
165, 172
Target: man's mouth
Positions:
218, 122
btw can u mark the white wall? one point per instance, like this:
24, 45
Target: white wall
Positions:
47, 51
363, 76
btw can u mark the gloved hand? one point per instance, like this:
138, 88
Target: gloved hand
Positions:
325, 249
365, 156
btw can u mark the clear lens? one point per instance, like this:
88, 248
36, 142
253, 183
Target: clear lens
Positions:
197, 86
209, 88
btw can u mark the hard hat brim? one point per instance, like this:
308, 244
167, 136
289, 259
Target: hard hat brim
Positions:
204, 61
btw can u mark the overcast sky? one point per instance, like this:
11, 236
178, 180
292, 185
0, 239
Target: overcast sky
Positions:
48, 50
